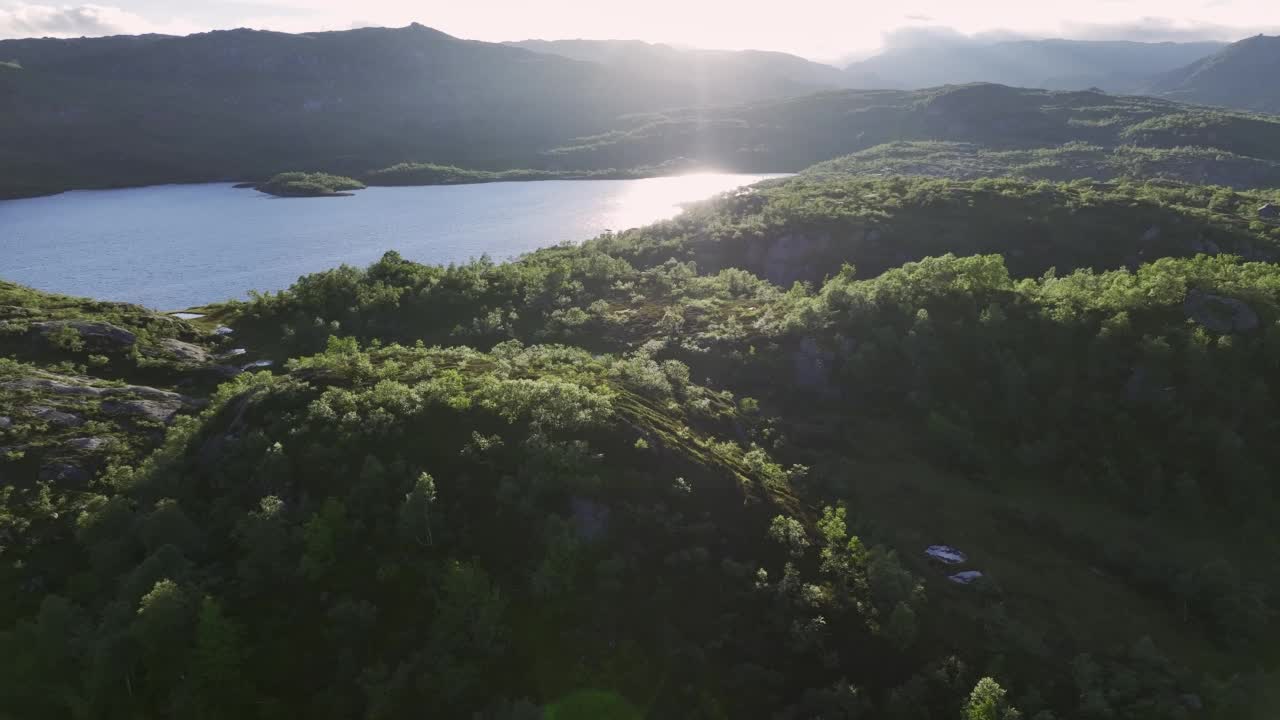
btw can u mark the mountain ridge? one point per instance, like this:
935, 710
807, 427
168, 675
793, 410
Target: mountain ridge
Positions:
726, 76
1241, 75
1052, 64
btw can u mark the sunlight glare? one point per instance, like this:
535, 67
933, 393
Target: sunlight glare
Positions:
663, 198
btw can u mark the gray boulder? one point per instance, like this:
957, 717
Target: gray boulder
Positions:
86, 444
1220, 314
1270, 211
56, 417
66, 473
97, 335
157, 410
185, 351
69, 386
54, 387
5, 422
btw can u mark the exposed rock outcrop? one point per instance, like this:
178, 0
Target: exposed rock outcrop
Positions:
185, 351
56, 417
86, 444
158, 410
96, 335
64, 473
67, 386
1220, 314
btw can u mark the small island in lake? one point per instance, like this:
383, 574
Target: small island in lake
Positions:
301, 184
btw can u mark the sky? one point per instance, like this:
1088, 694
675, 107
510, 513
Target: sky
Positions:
817, 29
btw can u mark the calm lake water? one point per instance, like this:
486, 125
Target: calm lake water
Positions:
178, 246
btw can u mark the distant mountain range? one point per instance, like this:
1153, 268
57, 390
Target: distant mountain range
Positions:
1243, 75
1049, 64
245, 104
1240, 75
727, 77
721, 76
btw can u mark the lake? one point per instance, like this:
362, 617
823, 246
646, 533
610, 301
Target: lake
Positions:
178, 246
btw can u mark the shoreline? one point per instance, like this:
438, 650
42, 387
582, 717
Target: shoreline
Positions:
374, 183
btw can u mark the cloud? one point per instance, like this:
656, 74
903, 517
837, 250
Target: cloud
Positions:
1160, 29
943, 36
27, 20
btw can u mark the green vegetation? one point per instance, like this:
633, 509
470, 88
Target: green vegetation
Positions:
84, 386
688, 471
299, 184
1072, 161
1062, 135
432, 174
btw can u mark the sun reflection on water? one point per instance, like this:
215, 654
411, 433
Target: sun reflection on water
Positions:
660, 198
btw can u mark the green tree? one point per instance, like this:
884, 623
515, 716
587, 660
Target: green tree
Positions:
324, 536
216, 686
988, 701
902, 628
789, 533
162, 629
415, 511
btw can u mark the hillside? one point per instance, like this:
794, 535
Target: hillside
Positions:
1071, 161
1148, 137
1048, 64
723, 77
692, 470
248, 104
1241, 75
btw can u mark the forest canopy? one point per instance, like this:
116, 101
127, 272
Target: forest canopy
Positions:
714, 449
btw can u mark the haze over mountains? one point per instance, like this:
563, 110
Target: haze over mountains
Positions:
722, 76
248, 104
1049, 64
1241, 75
